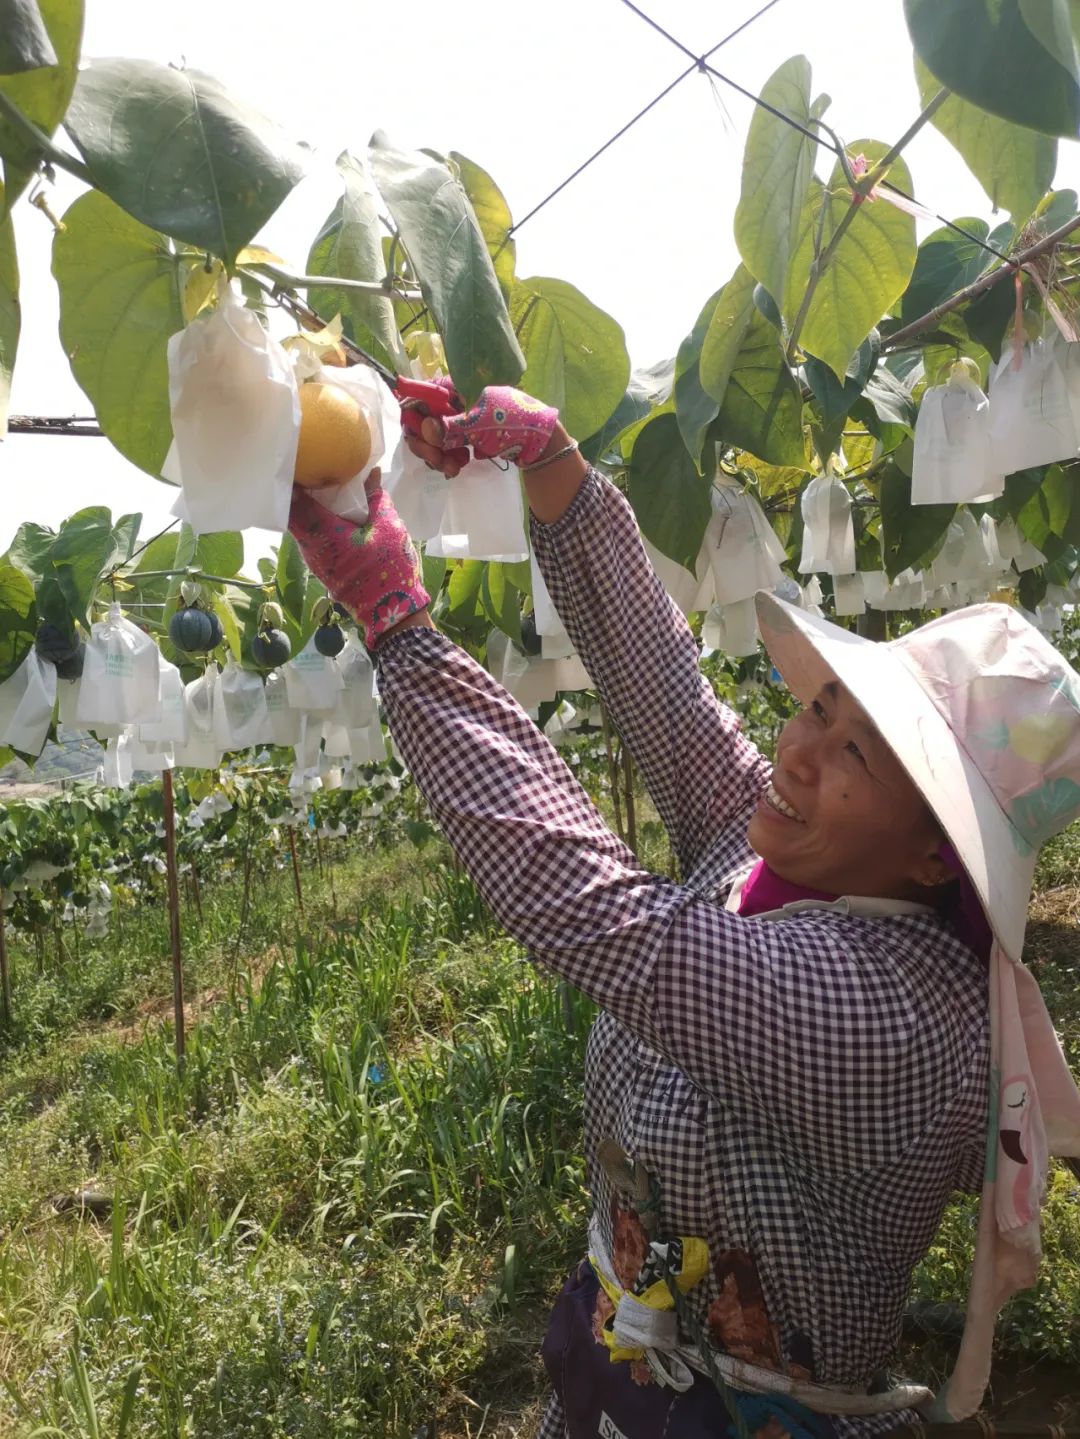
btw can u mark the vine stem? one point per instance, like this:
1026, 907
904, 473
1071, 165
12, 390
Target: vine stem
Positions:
862, 190
41, 142
980, 286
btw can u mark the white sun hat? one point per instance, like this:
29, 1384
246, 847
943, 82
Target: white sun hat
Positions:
984, 715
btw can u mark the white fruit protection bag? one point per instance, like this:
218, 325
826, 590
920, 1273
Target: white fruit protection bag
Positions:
283, 723
200, 750
239, 708
355, 704
828, 534
953, 461
383, 415
26, 704
312, 681
1031, 420
171, 725
743, 550
484, 517
121, 678
236, 421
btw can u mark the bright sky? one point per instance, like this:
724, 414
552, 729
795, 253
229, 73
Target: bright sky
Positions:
527, 90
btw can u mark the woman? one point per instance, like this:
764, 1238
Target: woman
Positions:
788, 1078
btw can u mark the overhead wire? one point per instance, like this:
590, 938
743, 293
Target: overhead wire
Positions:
825, 142
698, 64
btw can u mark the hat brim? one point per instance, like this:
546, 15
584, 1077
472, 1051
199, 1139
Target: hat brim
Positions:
809, 651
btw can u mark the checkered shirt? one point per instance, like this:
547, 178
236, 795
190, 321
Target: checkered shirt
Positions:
811, 1089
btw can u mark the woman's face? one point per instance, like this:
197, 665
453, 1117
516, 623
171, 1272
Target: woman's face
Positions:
840, 813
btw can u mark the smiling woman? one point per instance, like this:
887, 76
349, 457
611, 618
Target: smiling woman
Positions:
799, 1044
840, 814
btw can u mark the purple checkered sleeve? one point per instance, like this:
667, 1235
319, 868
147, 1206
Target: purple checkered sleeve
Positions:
700, 771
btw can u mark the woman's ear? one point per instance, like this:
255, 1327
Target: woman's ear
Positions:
932, 872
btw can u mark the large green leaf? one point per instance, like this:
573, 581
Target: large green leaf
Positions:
728, 323
181, 154
835, 399
457, 279
762, 406
350, 245
119, 303
41, 94
492, 215
291, 578
220, 554
575, 354
669, 497
10, 314
868, 271
18, 619
909, 533
999, 55
1014, 165
85, 548
695, 408
501, 600
29, 550
946, 262
24, 41
778, 162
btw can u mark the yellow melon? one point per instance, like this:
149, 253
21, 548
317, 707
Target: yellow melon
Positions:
335, 437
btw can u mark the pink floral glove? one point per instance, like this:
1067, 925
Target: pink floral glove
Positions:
372, 569
503, 423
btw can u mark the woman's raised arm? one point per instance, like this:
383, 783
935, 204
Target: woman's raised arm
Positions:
700, 771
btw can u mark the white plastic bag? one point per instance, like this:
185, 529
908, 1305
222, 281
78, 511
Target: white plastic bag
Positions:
369, 744
26, 704
743, 550
848, 597
117, 767
121, 680
690, 592
731, 628
484, 517
151, 756
953, 461
1015, 548
419, 494
283, 723
199, 750
962, 559
235, 418
383, 415
239, 708
356, 699
312, 681
171, 725
336, 742
828, 535
67, 695
1031, 421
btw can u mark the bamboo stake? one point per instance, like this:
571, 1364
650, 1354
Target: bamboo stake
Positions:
295, 867
628, 797
174, 912
5, 977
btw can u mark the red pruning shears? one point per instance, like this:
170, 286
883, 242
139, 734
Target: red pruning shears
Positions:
418, 399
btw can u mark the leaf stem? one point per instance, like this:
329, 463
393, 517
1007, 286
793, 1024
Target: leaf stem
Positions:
978, 287
860, 191
41, 142
383, 288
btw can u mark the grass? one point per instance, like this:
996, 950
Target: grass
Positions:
348, 1212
